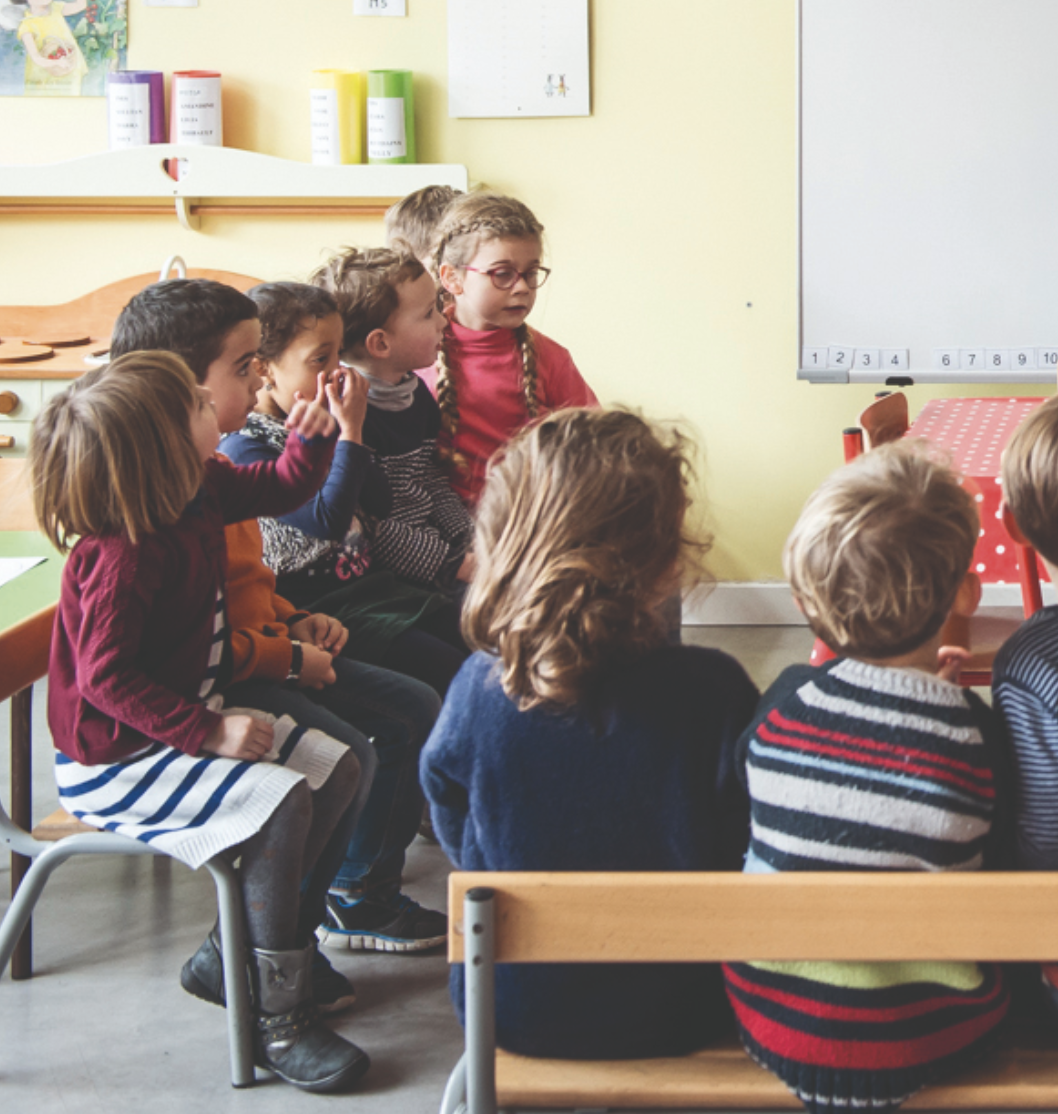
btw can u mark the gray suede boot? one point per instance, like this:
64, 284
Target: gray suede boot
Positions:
291, 1040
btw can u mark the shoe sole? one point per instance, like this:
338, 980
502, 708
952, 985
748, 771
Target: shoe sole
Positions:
368, 942
337, 1082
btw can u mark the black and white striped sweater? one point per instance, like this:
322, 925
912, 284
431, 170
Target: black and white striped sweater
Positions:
429, 531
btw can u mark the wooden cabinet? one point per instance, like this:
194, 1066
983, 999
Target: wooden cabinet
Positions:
27, 384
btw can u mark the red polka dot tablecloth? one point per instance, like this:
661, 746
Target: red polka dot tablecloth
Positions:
974, 431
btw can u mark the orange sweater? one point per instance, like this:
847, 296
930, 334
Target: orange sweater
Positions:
260, 641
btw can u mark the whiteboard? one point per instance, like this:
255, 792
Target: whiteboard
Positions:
928, 190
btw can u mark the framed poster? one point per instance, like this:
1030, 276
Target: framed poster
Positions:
61, 48
518, 58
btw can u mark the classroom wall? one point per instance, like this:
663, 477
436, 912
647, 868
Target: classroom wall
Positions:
671, 218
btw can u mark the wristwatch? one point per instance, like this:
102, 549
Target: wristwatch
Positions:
297, 660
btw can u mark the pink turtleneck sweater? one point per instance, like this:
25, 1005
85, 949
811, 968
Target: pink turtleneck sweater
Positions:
487, 367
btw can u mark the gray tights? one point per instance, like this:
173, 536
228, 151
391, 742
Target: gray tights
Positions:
288, 865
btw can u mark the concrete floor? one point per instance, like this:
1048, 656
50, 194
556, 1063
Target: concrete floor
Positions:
104, 1027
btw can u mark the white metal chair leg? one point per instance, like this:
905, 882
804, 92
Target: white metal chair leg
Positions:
45, 863
48, 857
454, 1100
236, 981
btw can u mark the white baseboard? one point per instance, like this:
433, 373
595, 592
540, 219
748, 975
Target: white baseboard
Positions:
769, 604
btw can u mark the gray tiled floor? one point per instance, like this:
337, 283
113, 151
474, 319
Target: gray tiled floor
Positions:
104, 1027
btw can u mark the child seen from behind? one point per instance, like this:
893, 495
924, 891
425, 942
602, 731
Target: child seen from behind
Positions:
493, 373
1025, 674
411, 224
124, 462
874, 761
575, 738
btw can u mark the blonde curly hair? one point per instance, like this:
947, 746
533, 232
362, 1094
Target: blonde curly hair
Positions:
880, 550
581, 534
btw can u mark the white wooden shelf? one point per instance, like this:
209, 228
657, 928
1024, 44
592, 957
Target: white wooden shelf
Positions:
212, 179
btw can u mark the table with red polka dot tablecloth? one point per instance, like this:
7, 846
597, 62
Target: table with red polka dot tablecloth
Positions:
974, 431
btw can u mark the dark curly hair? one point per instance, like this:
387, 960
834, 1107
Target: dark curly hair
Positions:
191, 317
283, 308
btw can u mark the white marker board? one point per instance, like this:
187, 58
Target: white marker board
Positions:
928, 163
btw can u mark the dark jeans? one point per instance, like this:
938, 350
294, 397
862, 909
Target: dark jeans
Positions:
385, 718
431, 651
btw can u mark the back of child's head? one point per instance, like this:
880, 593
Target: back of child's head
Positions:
285, 309
881, 548
411, 224
580, 535
1030, 479
191, 317
113, 454
364, 284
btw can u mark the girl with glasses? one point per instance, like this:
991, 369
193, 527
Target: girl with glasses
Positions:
493, 372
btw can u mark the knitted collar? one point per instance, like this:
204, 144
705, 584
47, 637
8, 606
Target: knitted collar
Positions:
390, 396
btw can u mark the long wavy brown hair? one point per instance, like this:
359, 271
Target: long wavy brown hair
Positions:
581, 534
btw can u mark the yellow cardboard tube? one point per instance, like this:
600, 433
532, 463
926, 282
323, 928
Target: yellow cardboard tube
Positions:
337, 111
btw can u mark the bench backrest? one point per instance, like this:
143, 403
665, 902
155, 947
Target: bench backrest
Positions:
701, 917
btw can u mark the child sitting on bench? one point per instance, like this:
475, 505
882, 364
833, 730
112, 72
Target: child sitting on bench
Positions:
575, 738
875, 761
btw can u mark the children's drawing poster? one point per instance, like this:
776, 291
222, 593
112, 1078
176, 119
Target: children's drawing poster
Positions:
518, 58
61, 48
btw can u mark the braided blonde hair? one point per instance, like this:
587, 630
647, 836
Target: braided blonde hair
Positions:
469, 221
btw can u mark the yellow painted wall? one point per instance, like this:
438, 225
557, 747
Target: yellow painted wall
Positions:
671, 223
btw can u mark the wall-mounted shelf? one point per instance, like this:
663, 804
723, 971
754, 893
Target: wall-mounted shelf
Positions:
212, 180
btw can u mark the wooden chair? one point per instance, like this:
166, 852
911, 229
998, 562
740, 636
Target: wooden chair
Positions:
710, 918
24, 650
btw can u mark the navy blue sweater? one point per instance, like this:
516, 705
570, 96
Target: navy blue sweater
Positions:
646, 782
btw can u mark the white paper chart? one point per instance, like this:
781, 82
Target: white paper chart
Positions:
518, 58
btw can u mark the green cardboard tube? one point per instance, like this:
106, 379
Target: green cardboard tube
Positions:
390, 116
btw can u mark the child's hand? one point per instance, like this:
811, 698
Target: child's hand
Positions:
347, 398
466, 569
950, 662
317, 668
309, 417
321, 631
240, 737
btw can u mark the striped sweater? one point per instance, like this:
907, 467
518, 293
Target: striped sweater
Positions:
1025, 689
428, 530
858, 767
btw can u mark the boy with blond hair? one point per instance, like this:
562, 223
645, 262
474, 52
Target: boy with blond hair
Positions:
411, 223
874, 761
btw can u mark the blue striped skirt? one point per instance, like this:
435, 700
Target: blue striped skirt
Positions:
194, 806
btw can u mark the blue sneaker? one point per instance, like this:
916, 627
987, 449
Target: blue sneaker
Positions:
392, 924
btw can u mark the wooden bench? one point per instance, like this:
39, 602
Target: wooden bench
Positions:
695, 918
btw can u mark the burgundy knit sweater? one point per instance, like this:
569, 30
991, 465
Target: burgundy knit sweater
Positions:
135, 621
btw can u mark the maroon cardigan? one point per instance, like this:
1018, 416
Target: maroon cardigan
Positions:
135, 622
